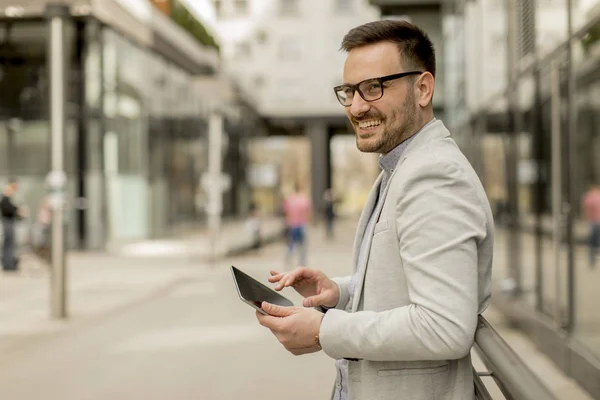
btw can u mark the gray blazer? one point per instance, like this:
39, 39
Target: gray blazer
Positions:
412, 321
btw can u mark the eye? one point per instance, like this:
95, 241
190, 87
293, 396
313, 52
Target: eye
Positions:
371, 88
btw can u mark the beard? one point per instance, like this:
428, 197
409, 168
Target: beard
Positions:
396, 128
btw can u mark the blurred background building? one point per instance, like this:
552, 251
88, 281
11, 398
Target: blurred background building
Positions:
518, 86
286, 56
137, 116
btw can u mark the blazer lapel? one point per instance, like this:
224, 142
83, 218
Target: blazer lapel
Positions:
363, 222
363, 265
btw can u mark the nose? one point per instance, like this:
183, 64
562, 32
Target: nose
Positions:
359, 105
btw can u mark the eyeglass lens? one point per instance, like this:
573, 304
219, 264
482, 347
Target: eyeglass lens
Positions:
370, 90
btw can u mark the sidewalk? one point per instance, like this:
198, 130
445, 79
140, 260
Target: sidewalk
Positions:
100, 283
233, 238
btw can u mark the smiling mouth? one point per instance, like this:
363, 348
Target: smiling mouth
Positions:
370, 124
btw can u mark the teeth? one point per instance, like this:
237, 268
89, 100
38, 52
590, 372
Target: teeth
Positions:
369, 124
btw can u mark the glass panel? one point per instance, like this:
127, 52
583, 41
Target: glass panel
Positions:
343, 7
494, 150
587, 213
554, 248
527, 179
453, 68
289, 8
125, 84
550, 25
24, 126
547, 249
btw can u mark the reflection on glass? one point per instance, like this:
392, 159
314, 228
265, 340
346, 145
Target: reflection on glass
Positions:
527, 183
587, 223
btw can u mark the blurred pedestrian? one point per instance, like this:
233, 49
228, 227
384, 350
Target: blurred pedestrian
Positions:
329, 212
297, 208
402, 325
10, 215
591, 212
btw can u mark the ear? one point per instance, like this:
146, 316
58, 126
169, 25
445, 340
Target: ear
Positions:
424, 89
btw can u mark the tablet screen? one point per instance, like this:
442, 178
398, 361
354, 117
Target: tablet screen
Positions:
255, 292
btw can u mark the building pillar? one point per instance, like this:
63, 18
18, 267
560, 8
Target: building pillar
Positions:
320, 162
58, 17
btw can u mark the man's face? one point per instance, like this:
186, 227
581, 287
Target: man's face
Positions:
382, 124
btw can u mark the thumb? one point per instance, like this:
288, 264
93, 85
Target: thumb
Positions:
314, 301
276, 311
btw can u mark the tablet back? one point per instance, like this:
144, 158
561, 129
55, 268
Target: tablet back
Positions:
255, 292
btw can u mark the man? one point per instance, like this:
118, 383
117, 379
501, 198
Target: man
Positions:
591, 212
10, 214
403, 324
297, 208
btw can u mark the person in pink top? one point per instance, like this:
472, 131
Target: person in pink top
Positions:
591, 212
297, 208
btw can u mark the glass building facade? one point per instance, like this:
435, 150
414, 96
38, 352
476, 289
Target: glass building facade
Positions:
137, 133
536, 145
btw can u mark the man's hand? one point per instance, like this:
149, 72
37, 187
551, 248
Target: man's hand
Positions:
312, 284
296, 328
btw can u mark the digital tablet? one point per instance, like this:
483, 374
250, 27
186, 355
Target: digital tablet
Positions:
253, 292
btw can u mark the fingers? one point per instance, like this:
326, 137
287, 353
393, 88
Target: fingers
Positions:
274, 321
314, 301
268, 321
290, 278
275, 276
277, 311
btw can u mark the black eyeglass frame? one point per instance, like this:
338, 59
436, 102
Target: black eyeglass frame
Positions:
381, 79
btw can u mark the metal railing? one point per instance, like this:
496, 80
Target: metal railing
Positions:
514, 379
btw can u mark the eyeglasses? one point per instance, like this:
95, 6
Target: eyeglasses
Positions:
369, 89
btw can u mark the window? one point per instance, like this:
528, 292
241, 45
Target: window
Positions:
218, 8
240, 8
290, 90
526, 15
261, 37
289, 8
289, 49
343, 6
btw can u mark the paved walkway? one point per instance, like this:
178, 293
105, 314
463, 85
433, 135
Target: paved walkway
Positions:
100, 283
233, 237
144, 325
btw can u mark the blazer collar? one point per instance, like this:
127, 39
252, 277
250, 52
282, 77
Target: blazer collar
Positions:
431, 131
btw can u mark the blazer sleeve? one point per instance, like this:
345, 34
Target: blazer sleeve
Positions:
343, 284
440, 220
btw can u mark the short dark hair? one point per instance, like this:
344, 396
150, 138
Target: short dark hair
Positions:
415, 47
